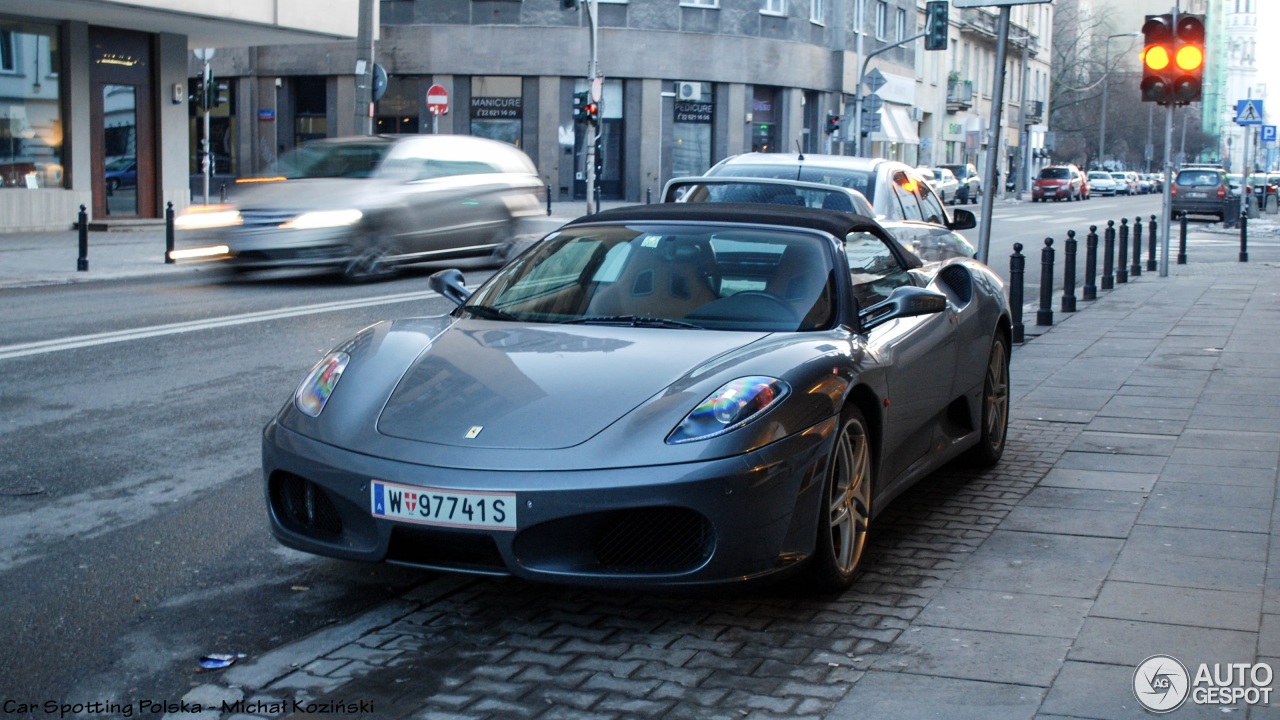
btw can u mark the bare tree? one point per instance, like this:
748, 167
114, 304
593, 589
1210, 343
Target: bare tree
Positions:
1076, 77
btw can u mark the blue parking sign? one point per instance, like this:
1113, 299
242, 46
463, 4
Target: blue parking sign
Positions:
1268, 133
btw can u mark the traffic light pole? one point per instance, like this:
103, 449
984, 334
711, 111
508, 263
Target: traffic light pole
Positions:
1168, 192
593, 129
993, 144
204, 103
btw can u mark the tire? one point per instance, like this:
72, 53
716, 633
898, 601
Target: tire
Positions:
995, 408
372, 261
844, 512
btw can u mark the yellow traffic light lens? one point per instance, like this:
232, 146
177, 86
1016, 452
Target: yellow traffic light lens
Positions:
1190, 57
1156, 57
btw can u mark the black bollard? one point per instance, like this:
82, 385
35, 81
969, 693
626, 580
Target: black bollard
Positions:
222, 193
648, 196
1045, 315
168, 234
1069, 273
1091, 263
1109, 256
82, 223
1152, 227
1017, 273
1136, 268
1122, 252
548, 200
1182, 239
1244, 236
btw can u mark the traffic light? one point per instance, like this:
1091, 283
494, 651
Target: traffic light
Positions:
1157, 59
833, 124
1188, 59
580, 100
937, 25
593, 112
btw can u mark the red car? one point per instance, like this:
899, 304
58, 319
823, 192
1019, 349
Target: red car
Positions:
1059, 182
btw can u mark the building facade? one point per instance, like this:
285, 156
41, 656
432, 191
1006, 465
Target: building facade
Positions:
94, 98
686, 84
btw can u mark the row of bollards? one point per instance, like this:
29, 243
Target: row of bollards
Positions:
82, 228
1117, 264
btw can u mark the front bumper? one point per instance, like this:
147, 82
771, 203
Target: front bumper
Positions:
720, 521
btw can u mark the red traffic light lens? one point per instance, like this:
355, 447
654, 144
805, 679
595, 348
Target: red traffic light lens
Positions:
1156, 57
1190, 57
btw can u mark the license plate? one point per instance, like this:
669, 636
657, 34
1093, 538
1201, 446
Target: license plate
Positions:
445, 508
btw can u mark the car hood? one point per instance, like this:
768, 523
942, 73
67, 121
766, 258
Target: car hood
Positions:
484, 384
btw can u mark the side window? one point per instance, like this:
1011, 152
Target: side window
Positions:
873, 268
903, 187
931, 205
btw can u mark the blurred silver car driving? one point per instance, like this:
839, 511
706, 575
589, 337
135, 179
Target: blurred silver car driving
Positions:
365, 205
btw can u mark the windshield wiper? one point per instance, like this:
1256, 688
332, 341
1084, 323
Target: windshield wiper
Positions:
632, 320
491, 313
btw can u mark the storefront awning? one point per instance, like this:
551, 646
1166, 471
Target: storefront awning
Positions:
896, 126
241, 24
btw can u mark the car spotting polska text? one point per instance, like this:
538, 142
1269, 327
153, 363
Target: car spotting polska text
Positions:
52, 708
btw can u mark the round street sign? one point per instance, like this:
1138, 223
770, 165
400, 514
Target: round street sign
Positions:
438, 100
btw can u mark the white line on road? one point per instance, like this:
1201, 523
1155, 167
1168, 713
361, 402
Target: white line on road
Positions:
71, 343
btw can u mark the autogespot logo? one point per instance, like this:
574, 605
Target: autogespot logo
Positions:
1161, 683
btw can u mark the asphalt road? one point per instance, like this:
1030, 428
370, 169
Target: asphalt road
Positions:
132, 523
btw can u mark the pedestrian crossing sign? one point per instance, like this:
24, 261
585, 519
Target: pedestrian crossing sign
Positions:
1249, 112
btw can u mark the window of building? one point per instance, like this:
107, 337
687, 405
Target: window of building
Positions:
694, 110
901, 25
882, 20
773, 7
497, 109
709, 4
817, 11
30, 108
8, 63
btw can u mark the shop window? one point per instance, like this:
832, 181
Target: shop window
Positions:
30, 110
497, 109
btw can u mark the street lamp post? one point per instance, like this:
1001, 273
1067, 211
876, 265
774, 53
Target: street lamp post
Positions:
1106, 77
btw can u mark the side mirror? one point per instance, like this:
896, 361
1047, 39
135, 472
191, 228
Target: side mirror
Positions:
962, 220
903, 302
450, 284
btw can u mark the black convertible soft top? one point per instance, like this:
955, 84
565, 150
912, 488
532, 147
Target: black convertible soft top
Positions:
833, 222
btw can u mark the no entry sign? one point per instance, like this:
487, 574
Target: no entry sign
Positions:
437, 100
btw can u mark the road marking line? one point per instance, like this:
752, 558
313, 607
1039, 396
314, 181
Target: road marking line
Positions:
83, 341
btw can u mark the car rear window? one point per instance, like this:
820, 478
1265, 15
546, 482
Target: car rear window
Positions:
1054, 173
1198, 178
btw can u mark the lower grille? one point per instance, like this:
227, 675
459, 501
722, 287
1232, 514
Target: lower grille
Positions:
654, 540
304, 506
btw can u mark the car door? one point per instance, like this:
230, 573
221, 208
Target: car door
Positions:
919, 355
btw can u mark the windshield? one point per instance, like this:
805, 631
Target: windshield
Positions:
1198, 178
862, 181
1053, 173
747, 191
331, 160
650, 275
1099, 176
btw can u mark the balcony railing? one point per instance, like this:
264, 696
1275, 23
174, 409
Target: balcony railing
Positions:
959, 95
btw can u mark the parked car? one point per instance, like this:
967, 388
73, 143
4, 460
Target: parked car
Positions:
970, 182
944, 183
1123, 184
1058, 182
1200, 191
121, 172
896, 191
669, 395
1264, 187
1101, 182
928, 241
1135, 183
366, 205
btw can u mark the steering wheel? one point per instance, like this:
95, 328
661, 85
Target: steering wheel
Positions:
773, 300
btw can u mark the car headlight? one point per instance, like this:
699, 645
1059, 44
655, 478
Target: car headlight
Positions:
314, 392
323, 219
207, 217
735, 404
